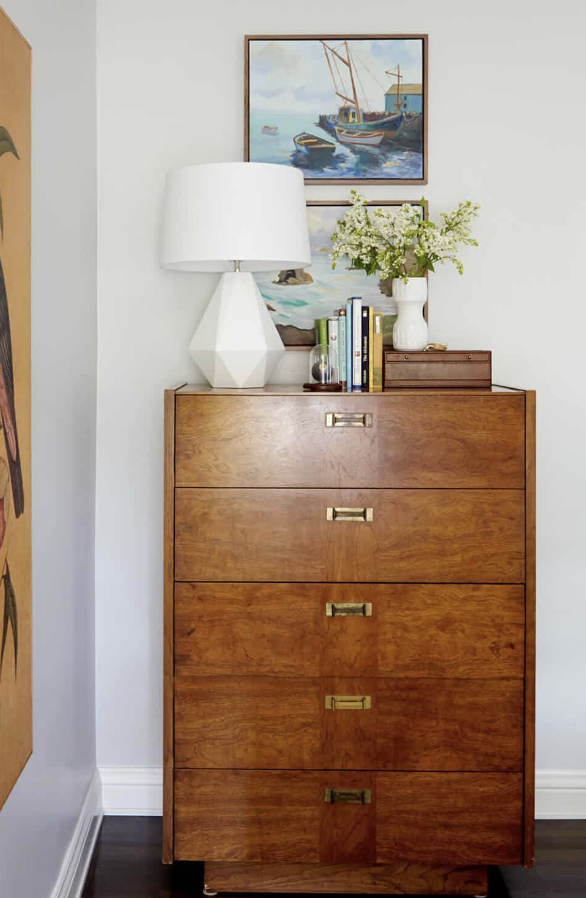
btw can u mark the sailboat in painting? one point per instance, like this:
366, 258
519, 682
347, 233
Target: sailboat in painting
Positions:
357, 138
309, 143
400, 126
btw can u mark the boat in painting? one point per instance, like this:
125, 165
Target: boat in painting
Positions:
410, 134
272, 131
312, 145
399, 126
354, 138
389, 124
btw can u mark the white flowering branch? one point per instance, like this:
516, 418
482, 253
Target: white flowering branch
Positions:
401, 243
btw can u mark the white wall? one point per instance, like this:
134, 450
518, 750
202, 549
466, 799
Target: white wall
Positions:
506, 89
38, 820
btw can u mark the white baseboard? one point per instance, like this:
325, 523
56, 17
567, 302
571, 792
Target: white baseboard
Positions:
132, 791
138, 791
76, 862
560, 794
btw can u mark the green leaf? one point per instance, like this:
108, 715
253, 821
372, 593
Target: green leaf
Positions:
6, 146
4, 629
10, 617
6, 143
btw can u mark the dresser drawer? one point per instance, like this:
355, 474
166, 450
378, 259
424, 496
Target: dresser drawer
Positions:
283, 817
457, 536
349, 723
341, 629
442, 440
399, 878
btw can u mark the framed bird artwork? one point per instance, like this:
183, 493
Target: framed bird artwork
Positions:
15, 376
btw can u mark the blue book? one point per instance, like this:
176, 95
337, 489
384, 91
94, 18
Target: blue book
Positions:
349, 347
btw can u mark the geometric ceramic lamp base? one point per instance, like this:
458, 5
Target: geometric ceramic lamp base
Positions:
236, 344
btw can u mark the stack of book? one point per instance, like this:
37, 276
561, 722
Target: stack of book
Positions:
355, 338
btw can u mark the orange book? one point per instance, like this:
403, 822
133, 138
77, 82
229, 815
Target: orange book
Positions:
376, 354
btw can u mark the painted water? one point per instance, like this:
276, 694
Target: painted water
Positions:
384, 162
300, 305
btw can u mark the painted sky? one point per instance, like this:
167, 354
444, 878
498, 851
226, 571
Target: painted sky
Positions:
322, 222
293, 76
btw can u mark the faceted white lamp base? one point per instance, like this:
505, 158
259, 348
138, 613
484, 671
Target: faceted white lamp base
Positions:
236, 343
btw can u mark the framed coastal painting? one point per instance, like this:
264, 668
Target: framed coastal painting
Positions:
297, 297
15, 438
342, 109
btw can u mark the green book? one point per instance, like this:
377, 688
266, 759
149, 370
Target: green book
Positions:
342, 346
321, 330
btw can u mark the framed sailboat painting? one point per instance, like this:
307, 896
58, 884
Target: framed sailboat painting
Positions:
343, 109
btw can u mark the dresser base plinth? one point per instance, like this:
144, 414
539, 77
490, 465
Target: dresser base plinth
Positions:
381, 879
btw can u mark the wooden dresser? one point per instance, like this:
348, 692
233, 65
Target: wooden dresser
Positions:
349, 638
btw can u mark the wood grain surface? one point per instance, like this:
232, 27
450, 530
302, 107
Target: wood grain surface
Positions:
282, 817
415, 630
435, 368
258, 816
461, 441
530, 617
297, 390
412, 724
463, 818
401, 878
446, 747
434, 536
248, 722
168, 612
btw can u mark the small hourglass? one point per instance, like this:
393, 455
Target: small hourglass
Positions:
323, 370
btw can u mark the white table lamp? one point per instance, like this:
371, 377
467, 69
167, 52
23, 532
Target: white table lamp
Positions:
235, 217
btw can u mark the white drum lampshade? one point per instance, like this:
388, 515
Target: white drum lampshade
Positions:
235, 217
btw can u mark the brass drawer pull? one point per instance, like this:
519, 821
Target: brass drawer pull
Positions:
348, 609
348, 796
348, 702
348, 419
349, 514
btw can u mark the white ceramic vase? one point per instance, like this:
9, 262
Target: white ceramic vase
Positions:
410, 331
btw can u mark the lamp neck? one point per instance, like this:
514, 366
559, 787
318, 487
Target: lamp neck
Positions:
236, 265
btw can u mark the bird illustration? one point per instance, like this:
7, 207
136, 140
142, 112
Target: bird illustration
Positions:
8, 419
7, 409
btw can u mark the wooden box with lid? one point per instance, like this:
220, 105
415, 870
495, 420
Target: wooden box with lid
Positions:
432, 369
349, 638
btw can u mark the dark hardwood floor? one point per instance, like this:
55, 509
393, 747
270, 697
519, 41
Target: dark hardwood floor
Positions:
127, 864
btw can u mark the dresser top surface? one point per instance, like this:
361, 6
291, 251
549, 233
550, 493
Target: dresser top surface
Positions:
297, 390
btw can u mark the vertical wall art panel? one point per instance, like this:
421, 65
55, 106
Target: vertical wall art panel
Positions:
15, 439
